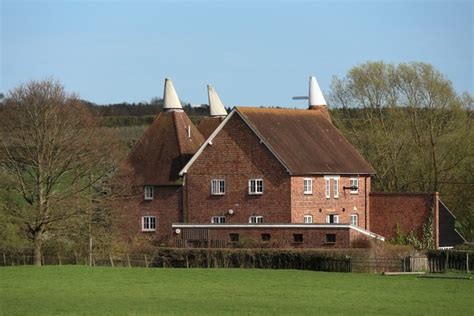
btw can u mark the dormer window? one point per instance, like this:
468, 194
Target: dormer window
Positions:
149, 192
256, 186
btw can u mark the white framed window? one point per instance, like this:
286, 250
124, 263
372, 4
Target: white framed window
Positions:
308, 219
354, 184
148, 223
218, 220
256, 219
354, 220
335, 186
308, 186
149, 192
332, 219
327, 187
256, 186
217, 187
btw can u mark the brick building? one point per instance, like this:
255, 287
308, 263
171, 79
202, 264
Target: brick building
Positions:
410, 212
272, 177
155, 162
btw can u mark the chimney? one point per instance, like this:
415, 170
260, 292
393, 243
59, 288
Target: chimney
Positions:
216, 107
316, 101
170, 98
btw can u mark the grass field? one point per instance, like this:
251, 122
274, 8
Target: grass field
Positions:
56, 290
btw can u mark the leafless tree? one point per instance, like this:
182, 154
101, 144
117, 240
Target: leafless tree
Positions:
51, 154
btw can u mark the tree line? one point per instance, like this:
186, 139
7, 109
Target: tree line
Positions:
416, 131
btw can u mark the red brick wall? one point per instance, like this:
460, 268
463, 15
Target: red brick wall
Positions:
345, 205
409, 210
166, 207
281, 237
237, 155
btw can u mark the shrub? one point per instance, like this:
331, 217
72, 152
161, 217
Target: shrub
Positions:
251, 258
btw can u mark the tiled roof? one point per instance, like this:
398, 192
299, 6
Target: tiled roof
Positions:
165, 148
305, 141
208, 124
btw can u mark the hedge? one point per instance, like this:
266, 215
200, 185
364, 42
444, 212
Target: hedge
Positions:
251, 258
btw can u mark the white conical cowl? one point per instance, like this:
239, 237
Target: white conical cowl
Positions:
170, 97
215, 104
315, 95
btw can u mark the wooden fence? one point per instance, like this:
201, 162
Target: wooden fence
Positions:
439, 263
376, 265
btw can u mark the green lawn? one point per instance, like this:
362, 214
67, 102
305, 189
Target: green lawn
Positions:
137, 291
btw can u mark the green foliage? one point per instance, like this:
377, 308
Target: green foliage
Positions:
428, 240
118, 121
252, 258
77, 290
409, 239
416, 131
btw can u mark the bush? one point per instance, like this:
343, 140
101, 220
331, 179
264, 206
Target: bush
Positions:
251, 258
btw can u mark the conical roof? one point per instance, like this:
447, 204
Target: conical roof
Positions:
315, 95
216, 107
165, 147
170, 97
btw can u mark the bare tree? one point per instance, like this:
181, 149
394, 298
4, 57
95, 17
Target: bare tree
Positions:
51, 154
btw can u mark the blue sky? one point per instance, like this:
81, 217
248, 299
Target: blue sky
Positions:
255, 53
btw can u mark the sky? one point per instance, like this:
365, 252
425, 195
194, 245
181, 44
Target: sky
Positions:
256, 53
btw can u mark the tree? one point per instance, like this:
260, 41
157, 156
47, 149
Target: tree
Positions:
52, 152
413, 127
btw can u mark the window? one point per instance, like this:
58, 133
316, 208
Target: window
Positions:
266, 237
308, 219
234, 237
149, 192
354, 219
330, 238
148, 223
255, 186
298, 238
256, 219
308, 186
328, 187
335, 187
332, 219
354, 185
218, 220
217, 187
